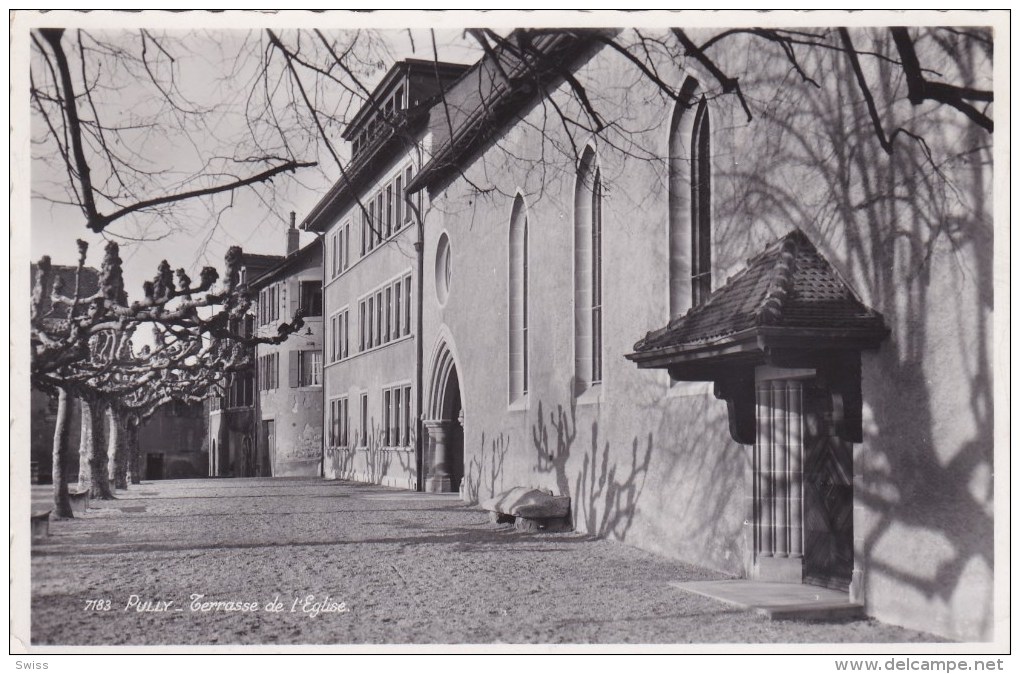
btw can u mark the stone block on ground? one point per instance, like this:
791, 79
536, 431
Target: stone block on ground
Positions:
546, 525
41, 524
79, 502
528, 502
530, 510
500, 518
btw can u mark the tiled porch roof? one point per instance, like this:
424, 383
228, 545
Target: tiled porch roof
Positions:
789, 288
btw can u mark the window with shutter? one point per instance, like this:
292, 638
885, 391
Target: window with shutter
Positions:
294, 368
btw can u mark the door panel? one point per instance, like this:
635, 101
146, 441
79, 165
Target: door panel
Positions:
828, 496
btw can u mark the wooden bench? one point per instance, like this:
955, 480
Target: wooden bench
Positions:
41, 524
532, 510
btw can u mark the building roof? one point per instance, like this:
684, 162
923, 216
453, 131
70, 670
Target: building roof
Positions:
388, 82
788, 291
494, 90
358, 173
287, 264
257, 264
390, 137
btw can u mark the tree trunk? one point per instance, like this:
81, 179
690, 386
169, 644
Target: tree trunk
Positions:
98, 460
61, 501
85, 447
116, 449
132, 450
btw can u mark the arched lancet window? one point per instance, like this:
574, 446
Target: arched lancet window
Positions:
518, 290
588, 309
690, 227
701, 207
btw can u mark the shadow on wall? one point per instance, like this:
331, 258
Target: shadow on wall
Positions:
702, 476
604, 496
370, 463
913, 232
483, 476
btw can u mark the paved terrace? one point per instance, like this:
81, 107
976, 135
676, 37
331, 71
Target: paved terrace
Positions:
408, 568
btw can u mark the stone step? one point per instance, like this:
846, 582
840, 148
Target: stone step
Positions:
779, 601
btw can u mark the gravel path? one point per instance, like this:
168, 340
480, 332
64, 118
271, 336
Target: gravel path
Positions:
408, 568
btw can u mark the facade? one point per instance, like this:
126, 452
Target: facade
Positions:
172, 442
289, 375
233, 417
371, 282
747, 344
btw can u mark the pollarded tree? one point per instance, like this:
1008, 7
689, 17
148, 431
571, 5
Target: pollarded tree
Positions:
89, 355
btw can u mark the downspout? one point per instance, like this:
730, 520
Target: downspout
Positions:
419, 352
321, 236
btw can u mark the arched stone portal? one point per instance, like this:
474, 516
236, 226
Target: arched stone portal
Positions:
444, 422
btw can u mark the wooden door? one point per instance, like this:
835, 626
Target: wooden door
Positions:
828, 496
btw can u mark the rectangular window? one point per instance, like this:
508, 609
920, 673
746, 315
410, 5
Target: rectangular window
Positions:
310, 298
380, 224
371, 224
396, 429
334, 338
389, 210
336, 255
396, 308
396, 421
378, 318
309, 368
364, 234
389, 315
407, 439
345, 424
347, 247
408, 214
338, 423
364, 420
362, 325
407, 305
398, 202
333, 435
268, 372
345, 319
242, 390
344, 338
386, 416
371, 321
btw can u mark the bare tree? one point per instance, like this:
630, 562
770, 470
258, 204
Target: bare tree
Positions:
78, 81
90, 355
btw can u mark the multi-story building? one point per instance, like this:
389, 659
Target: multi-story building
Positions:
760, 346
233, 418
288, 376
371, 281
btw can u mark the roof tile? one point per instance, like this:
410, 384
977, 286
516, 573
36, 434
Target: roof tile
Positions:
788, 285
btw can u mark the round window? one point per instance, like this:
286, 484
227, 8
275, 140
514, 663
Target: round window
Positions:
444, 268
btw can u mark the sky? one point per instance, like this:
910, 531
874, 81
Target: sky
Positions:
208, 72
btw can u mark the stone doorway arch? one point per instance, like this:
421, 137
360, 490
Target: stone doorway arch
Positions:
444, 424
